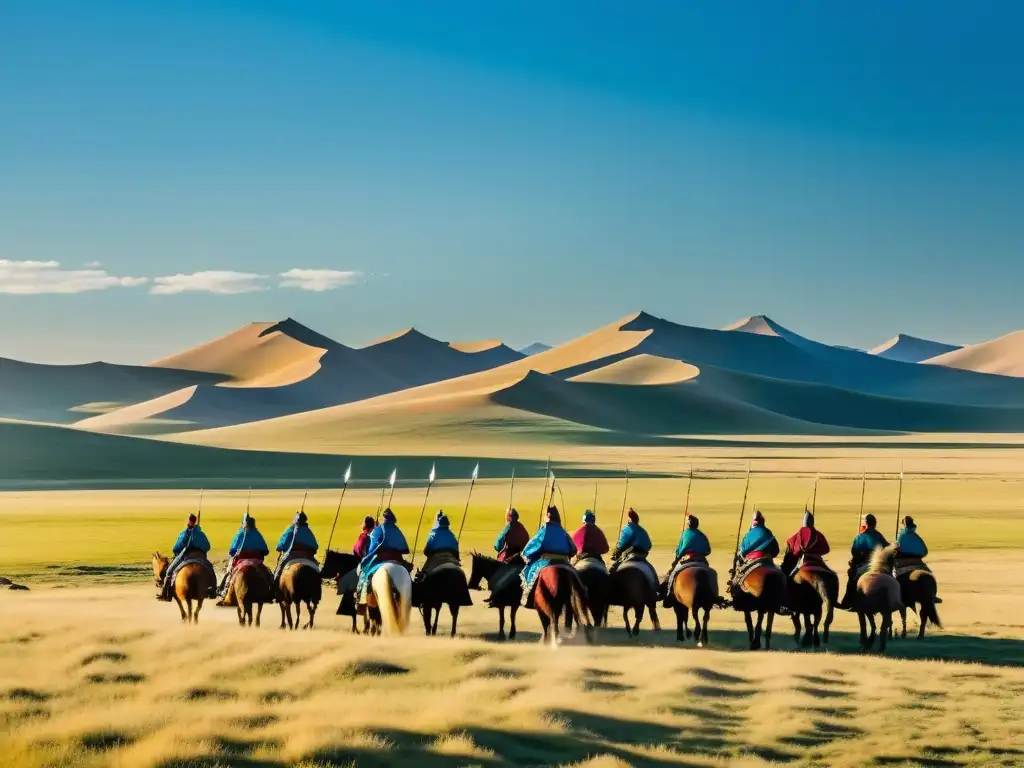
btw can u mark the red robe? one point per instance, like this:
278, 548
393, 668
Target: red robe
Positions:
515, 541
808, 542
362, 544
590, 539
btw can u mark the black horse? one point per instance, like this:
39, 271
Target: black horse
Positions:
595, 580
437, 586
342, 567
509, 592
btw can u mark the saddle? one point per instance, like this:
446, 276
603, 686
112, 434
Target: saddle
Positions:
814, 564
241, 566
590, 563
440, 562
907, 565
639, 562
747, 567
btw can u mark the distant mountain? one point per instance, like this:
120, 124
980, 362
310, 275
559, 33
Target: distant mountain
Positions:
911, 349
535, 349
1003, 356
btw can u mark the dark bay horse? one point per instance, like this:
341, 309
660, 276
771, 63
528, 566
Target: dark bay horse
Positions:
594, 576
877, 592
812, 595
342, 567
250, 585
630, 588
763, 591
557, 590
919, 588
443, 585
694, 590
503, 577
192, 582
299, 583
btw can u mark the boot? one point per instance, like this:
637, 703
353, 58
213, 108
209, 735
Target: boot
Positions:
846, 604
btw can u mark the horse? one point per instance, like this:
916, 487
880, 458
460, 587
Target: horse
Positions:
631, 589
594, 577
441, 585
389, 601
193, 581
250, 585
918, 588
694, 589
557, 589
762, 591
343, 567
812, 594
299, 583
878, 591
510, 590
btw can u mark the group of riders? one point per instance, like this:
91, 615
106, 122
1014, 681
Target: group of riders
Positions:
525, 556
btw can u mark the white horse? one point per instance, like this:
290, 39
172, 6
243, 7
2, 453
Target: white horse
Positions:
392, 588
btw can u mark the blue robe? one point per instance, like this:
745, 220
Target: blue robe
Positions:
758, 539
633, 535
441, 539
303, 538
191, 538
249, 540
693, 542
911, 544
386, 536
867, 542
552, 539
499, 543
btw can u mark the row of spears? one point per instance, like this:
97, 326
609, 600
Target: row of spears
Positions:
579, 592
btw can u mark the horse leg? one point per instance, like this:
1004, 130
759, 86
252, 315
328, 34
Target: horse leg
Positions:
311, 609
188, 604
241, 614
259, 613
652, 608
758, 626
437, 618
704, 629
512, 628
886, 626
281, 605
199, 607
750, 629
501, 622
923, 615
184, 616
817, 623
768, 631
545, 624
681, 620
871, 638
828, 624
808, 630
298, 613
625, 618
863, 631
455, 617
426, 620
696, 626
639, 613
903, 619
795, 616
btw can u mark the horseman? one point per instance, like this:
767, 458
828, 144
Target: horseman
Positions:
758, 545
348, 582
634, 542
296, 542
513, 538
693, 546
911, 545
387, 545
362, 545
807, 546
441, 545
248, 544
864, 543
550, 544
191, 543
590, 540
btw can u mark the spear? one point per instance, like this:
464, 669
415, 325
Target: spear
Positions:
544, 498
472, 482
743, 510
689, 485
394, 475
247, 500
511, 487
344, 487
383, 488
594, 508
245, 528
899, 502
814, 498
625, 495
554, 484
199, 513
863, 488
416, 541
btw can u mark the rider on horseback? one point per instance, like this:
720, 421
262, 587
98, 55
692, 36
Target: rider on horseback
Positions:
758, 545
296, 542
347, 583
248, 544
808, 546
864, 543
387, 545
589, 539
513, 538
362, 545
549, 545
634, 545
912, 550
693, 546
441, 545
191, 543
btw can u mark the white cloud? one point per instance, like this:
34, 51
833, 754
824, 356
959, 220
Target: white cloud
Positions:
317, 279
39, 277
210, 281
93, 265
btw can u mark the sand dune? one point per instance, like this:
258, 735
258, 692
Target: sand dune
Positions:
641, 370
1003, 356
758, 324
911, 349
535, 348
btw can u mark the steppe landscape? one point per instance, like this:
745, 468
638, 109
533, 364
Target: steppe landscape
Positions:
101, 463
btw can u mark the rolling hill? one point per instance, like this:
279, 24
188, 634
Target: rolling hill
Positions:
911, 349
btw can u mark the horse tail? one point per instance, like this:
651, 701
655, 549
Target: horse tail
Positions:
821, 585
927, 589
578, 605
882, 559
394, 618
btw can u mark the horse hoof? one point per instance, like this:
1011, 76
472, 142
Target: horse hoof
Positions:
700, 644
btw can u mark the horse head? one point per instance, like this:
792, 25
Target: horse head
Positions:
338, 564
483, 568
160, 564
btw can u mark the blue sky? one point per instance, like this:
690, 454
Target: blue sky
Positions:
522, 170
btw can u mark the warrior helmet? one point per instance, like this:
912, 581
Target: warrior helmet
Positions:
554, 516
692, 522
633, 516
589, 517
511, 514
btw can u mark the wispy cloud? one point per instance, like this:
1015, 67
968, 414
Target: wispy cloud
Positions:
318, 279
39, 277
210, 281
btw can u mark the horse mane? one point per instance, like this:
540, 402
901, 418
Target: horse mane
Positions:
882, 559
485, 558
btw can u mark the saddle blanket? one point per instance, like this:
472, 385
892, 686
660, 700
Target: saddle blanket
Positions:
748, 567
591, 564
903, 566
440, 562
645, 568
194, 561
814, 568
307, 561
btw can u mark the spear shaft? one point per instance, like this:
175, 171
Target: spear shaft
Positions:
863, 488
743, 510
625, 496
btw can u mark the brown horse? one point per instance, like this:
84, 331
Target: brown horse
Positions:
694, 589
878, 592
631, 589
509, 594
558, 589
250, 585
192, 582
812, 594
763, 592
299, 583
918, 588
440, 586
594, 577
